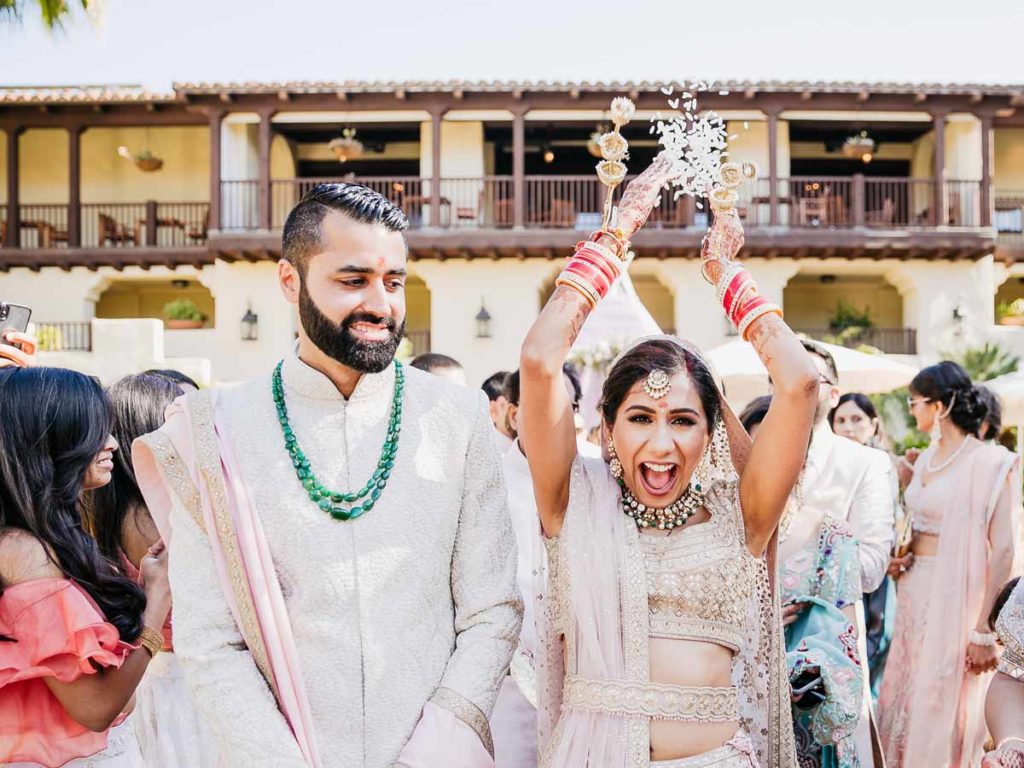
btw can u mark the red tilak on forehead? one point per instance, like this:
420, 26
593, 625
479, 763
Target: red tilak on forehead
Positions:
380, 262
663, 405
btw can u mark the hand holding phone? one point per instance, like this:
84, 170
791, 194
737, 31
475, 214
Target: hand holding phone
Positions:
16, 346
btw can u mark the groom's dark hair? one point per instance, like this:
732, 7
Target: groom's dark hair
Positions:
303, 232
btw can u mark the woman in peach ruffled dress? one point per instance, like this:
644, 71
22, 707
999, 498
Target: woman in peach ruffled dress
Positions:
76, 636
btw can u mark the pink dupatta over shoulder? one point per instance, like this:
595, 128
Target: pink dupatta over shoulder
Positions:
947, 701
191, 458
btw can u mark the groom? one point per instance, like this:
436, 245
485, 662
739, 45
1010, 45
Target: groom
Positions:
342, 560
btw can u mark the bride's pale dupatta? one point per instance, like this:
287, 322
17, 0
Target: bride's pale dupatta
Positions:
603, 601
191, 457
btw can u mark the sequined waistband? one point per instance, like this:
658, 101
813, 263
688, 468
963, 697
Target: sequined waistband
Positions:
738, 752
654, 700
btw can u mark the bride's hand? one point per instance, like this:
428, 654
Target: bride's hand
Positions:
722, 242
642, 192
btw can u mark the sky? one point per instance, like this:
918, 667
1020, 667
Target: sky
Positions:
158, 43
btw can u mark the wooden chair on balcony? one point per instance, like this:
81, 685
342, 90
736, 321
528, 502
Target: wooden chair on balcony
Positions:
199, 233
115, 234
504, 212
562, 213
886, 216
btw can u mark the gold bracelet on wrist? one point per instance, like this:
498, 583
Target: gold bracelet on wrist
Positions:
152, 640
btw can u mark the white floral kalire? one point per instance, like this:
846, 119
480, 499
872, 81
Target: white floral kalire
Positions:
696, 140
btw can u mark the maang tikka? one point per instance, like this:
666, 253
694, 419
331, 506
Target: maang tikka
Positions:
658, 384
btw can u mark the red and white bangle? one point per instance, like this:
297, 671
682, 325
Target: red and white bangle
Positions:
754, 311
581, 286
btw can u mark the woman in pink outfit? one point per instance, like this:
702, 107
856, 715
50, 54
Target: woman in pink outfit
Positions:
76, 635
964, 499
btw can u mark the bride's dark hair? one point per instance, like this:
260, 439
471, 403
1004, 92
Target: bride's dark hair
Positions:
53, 424
658, 355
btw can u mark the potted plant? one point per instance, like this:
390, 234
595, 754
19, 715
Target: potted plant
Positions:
183, 314
144, 160
1011, 313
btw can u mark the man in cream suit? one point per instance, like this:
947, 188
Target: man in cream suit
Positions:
342, 559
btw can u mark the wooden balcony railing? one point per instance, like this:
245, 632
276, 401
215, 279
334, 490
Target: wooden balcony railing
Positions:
112, 225
893, 341
1009, 217
64, 337
550, 202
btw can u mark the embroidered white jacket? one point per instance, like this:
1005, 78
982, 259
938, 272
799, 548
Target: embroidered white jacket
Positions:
414, 601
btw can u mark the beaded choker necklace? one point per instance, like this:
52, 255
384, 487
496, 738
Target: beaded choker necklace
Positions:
672, 516
343, 506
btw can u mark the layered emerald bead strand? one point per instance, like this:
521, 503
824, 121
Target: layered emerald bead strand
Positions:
343, 506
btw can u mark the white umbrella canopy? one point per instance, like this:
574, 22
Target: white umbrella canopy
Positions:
1010, 390
745, 377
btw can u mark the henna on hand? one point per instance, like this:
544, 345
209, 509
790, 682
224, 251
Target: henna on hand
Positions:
572, 308
763, 331
641, 194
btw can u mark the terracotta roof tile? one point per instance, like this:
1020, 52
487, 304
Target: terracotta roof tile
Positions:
84, 94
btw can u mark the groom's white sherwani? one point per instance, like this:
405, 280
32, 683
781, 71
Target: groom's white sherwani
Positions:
413, 602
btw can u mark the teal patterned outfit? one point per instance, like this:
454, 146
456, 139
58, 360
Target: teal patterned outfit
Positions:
826, 576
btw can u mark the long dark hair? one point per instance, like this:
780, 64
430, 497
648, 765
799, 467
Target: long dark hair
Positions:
862, 401
948, 383
138, 403
654, 355
53, 424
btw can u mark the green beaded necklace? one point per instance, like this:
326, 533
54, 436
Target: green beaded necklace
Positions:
331, 501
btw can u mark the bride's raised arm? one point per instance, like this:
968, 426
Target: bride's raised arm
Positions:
778, 454
546, 427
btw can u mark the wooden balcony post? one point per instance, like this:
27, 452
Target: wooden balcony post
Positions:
75, 186
13, 236
435, 174
985, 197
265, 138
773, 168
519, 168
216, 118
940, 211
858, 200
151, 222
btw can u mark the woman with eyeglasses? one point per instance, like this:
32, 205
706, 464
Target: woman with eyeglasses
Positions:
964, 500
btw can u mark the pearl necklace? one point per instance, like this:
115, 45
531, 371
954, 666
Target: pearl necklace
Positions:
673, 516
953, 457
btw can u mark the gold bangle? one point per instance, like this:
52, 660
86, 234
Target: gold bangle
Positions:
578, 285
152, 640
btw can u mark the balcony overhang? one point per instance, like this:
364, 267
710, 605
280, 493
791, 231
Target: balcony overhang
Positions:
94, 258
495, 244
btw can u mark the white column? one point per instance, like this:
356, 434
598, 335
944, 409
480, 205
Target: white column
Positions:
935, 293
509, 289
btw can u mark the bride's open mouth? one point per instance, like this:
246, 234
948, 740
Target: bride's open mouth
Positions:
657, 478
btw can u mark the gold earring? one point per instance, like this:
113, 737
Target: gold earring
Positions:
614, 465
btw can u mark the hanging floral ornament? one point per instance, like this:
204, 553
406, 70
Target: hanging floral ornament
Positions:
346, 147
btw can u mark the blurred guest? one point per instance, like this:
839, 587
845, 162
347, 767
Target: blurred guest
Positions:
185, 383
992, 425
852, 483
1004, 703
855, 417
76, 636
494, 388
168, 727
440, 365
964, 500
754, 413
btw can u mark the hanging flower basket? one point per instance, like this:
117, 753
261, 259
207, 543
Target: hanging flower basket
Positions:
145, 161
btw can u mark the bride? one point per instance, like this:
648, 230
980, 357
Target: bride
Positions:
658, 628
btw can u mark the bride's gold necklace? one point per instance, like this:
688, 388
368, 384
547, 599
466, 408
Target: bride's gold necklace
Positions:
665, 519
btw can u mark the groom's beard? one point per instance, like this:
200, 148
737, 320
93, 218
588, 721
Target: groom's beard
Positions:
338, 342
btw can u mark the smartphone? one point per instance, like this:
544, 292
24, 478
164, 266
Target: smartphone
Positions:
13, 317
